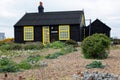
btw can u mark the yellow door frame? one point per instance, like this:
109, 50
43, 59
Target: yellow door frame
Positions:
46, 34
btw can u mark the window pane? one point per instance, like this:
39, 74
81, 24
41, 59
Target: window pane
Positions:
28, 33
64, 32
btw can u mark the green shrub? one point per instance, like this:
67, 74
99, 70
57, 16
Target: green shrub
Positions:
54, 56
95, 64
13, 67
27, 46
4, 61
66, 50
55, 45
95, 46
24, 65
71, 42
7, 65
11, 46
33, 46
34, 58
2, 43
16, 46
5, 47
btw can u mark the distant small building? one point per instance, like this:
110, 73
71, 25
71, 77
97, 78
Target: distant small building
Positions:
97, 26
2, 36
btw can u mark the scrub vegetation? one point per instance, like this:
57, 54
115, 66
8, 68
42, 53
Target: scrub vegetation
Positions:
57, 60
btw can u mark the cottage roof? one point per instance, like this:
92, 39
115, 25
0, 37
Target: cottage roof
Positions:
98, 23
51, 18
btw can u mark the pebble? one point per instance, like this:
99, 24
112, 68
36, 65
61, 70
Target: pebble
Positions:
95, 76
43, 64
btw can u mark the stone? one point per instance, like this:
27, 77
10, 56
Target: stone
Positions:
43, 64
96, 76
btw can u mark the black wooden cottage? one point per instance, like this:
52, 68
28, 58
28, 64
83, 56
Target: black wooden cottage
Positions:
50, 26
53, 26
97, 26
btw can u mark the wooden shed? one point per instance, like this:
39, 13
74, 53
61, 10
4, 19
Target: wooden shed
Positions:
50, 26
97, 26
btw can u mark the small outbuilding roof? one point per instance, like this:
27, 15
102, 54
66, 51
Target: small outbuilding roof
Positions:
98, 23
51, 18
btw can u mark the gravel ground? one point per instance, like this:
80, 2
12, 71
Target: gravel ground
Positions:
65, 66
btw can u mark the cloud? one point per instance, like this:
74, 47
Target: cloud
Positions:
106, 10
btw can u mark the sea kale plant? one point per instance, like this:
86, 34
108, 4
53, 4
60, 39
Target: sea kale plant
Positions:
95, 64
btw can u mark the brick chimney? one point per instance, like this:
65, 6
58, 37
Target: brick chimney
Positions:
40, 8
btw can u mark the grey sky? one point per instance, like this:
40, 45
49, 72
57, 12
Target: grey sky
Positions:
107, 11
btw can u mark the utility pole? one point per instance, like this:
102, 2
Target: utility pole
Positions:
90, 28
89, 25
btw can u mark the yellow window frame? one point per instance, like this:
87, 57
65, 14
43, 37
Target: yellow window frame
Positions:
64, 32
28, 33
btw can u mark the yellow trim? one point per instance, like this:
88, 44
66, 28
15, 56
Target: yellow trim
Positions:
62, 30
83, 20
46, 34
28, 29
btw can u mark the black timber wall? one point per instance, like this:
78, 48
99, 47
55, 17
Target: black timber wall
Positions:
94, 30
18, 34
75, 33
100, 30
37, 34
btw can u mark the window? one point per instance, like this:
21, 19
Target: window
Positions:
64, 32
28, 33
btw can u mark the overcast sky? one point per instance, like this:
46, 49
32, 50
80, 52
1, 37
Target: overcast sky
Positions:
108, 11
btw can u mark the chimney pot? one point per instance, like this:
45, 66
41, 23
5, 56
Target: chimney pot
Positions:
41, 3
40, 7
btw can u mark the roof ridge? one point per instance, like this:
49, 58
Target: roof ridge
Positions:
55, 12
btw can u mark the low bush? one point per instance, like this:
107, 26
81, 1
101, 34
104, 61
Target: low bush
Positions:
11, 46
26, 46
7, 65
24, 65
2, 43
54, 56
15, 46
33, 46
71, 42
5, 47
95, 46
66, 50
55, 45
95, 64
34, 58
